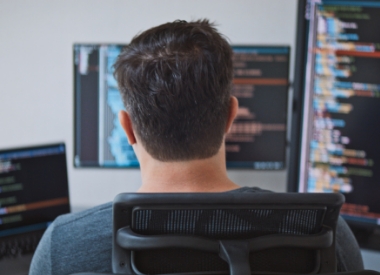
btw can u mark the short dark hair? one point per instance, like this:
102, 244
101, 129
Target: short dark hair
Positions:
175, 81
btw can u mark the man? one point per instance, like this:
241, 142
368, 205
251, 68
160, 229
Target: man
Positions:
175, 81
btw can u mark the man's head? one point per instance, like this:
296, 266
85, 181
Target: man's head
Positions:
175, 81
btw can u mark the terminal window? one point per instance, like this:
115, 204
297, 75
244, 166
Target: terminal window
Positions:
340, 144
33, 188
258, 135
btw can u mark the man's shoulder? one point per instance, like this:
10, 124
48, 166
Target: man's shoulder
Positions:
79, 230
98, 214
83, 239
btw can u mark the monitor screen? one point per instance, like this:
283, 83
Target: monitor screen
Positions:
258, 136
335, 131
33, 188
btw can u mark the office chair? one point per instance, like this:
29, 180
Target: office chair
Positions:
225, 233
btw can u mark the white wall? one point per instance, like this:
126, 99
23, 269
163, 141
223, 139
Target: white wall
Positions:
36, 71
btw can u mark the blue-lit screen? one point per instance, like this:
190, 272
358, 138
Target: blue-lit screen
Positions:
99, 137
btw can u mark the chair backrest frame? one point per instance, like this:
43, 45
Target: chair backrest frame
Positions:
126, 203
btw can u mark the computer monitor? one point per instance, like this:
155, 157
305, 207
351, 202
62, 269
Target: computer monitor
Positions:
336, 114
33, 188
33, 192
258, 136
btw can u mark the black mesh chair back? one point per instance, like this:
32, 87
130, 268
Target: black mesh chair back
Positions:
225, 233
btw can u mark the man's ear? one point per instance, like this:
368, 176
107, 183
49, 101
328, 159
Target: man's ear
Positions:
234, 106
126, 123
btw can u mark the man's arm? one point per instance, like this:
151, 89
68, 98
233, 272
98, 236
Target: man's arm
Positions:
41, 262
347, 249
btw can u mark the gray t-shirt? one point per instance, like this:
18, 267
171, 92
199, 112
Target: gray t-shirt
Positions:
82, 242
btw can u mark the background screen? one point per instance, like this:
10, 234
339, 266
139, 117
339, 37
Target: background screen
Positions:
258, 136
339, 120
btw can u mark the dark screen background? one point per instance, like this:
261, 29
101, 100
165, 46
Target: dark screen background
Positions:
363, 122
87, 112
268, 104
43, 178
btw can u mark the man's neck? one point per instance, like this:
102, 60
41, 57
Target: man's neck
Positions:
206, 175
